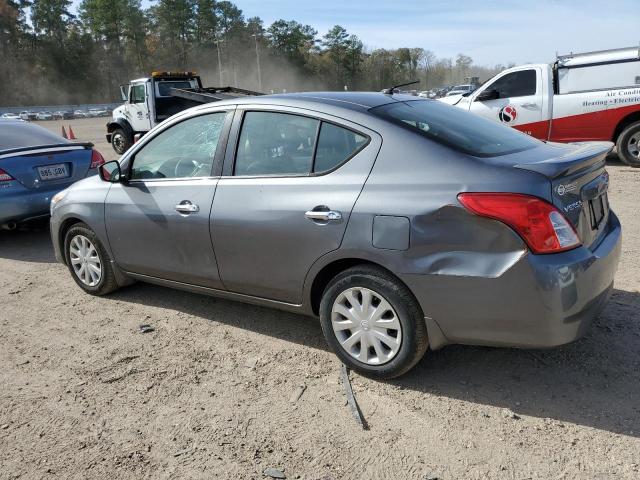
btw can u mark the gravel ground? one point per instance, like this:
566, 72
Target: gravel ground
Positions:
208, 393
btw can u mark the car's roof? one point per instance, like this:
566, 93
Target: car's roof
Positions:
358, 101
17, 134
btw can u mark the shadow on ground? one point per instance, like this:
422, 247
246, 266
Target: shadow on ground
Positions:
30, 243
593, 382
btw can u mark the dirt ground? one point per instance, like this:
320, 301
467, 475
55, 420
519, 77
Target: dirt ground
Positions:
208, 393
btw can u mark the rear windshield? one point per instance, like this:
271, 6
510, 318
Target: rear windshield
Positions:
164, 88
14, 134
456, 128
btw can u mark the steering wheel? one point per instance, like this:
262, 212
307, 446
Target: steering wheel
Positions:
190, 166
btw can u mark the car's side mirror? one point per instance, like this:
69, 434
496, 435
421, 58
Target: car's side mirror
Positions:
110, 172
123, 93
489, 94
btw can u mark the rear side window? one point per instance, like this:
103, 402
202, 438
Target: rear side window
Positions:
276, 144
164, 88
516, 84
335, 146
456, 128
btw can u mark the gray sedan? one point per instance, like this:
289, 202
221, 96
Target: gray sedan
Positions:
404, 224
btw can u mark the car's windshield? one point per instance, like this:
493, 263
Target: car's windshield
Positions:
456, 128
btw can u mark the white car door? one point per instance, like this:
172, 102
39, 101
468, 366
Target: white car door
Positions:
516, 99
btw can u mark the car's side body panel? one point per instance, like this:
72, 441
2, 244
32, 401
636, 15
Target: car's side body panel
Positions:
261, 236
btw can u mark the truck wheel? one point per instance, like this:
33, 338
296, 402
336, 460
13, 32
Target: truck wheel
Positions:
628, 145
120, 141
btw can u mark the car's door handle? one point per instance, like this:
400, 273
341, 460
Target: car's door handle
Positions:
323, 215
529, 106
186, 206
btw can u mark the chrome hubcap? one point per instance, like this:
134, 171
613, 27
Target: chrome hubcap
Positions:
117, 141
633, 145
366, 326
85, 260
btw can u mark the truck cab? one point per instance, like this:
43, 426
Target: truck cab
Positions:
147, 102
519, 97
592, 96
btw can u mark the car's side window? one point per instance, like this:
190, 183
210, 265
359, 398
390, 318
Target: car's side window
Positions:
137, 93
276, 144
516, 84
184, 150
335, 145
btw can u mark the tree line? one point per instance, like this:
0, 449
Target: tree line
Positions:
55, 54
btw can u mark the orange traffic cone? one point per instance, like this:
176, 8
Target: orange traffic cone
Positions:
71, 135
64, 134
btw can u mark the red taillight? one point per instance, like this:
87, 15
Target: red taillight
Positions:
96, 159
540, 224
4, 176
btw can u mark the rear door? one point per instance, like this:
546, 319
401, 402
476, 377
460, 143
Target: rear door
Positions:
519, 103
285, 197
158, 222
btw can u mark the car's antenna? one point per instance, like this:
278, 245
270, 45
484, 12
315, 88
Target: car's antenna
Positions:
390, 91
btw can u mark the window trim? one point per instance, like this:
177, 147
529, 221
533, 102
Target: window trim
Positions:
218, 157
238, 132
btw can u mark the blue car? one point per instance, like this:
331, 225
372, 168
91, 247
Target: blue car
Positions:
35, 164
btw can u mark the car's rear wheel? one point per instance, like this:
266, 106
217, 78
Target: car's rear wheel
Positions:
372, 322
120, 141
88, 261
628, 145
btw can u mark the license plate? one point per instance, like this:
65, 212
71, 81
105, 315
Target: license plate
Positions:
51, 172
597, 210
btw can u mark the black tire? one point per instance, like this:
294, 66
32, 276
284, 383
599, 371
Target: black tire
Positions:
629, 137
107, 282
414, 340
120, 141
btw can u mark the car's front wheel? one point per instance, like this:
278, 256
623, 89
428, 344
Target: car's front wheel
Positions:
88, 261
373, 323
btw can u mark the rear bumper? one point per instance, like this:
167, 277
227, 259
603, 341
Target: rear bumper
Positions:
541, 301
18, 203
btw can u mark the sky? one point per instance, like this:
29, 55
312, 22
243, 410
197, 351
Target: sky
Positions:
490, 31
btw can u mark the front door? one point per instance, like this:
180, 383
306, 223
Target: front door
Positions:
139, 118
158, 222
286, 200
519, 102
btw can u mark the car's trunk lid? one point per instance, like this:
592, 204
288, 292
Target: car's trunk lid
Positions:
579, 184
52, 166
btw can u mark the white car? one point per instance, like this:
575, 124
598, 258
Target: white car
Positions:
460, 90
44, 116
98, 112
11, 116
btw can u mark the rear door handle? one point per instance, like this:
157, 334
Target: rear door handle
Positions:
323, 215
186, 206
